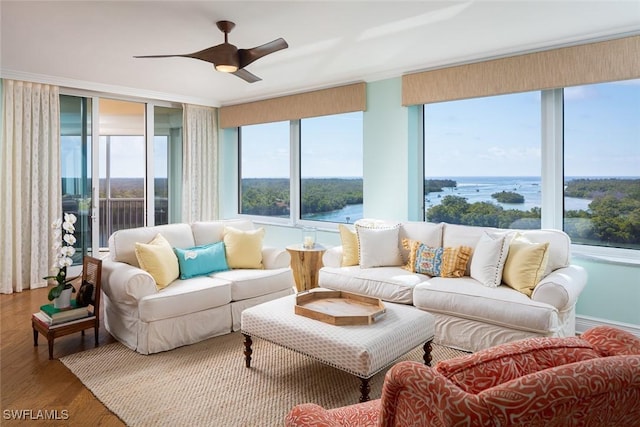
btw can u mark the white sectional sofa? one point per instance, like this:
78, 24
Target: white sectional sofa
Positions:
150, 320
469, 315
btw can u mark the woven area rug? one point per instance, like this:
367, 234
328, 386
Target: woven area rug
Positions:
207, 383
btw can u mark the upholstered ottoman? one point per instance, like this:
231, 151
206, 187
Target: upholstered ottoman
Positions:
361, 350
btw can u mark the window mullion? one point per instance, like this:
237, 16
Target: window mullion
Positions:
552, 176
294, 168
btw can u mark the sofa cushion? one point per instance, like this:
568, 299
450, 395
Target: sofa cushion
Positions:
157, 258
185, 297
201, 260
466, 298
393, 284
206, 232
525, 264
497, 365
122, 242
379, 247
349, 243
489, 257
247, 284
428, 233
243, 248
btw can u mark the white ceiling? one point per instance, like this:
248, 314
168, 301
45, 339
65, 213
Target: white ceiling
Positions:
91, 44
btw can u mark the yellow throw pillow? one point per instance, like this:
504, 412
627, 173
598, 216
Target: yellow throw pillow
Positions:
349, 240
158, 259
525, 264
455, 260
243, 248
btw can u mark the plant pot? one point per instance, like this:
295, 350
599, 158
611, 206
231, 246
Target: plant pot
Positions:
64, 300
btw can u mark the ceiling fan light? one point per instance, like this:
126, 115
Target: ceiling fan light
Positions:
226, 68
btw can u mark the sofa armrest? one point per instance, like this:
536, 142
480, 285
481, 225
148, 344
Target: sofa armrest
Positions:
561, 288
610, 341
332, 257
273, 258
601, 391
311, 415
124, 283
415, 394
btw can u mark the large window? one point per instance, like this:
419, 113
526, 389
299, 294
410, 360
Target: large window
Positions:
331, 168
482, 161
308, 169
602, 164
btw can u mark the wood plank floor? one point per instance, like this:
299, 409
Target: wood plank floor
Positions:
29, 381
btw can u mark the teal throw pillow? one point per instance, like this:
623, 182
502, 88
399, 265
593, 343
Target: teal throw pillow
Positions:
201, 260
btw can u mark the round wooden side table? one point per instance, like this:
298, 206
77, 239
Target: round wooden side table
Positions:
305, 264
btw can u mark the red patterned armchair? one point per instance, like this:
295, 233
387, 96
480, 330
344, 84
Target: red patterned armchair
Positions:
593, 380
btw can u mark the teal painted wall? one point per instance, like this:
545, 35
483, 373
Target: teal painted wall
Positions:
612, 291
385, 152
392, 148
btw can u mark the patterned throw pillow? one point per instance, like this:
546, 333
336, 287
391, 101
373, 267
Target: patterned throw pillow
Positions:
442, 262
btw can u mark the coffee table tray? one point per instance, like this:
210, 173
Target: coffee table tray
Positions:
339, 308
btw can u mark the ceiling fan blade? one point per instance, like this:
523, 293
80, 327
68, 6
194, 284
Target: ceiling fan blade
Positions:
212, 54
247, 76
247, 56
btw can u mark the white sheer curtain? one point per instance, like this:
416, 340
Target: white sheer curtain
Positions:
30, 197
200, 164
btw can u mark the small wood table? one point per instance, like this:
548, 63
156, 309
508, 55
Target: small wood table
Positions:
305, 264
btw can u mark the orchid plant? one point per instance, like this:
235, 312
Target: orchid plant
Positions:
63, 244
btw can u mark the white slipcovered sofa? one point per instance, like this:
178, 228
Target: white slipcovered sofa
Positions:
150, 320
469, 314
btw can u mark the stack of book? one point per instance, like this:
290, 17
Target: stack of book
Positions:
53, 316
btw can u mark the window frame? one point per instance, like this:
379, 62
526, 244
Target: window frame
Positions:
552, 180
295, 184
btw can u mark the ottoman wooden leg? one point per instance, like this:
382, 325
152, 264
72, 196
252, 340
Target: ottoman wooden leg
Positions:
364, 389
427, 353
247, 350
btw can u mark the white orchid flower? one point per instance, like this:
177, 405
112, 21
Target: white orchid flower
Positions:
67, 251
69, 239
68, 227
56, 224
70, 218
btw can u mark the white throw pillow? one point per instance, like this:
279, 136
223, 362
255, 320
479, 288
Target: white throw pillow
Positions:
488, 259
379, 247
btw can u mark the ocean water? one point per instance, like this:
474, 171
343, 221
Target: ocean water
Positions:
474, 189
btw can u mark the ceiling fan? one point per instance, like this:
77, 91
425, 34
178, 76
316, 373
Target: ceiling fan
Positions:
228, 58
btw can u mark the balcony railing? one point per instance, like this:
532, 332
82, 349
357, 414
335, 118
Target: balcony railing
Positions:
121, 213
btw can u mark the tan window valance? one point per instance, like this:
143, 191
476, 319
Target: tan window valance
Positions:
569, 66
337, 100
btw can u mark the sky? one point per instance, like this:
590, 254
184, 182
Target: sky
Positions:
492, 136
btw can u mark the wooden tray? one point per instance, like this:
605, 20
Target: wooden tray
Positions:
339, 308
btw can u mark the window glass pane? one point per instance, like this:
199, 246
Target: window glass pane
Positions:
122, 180
264, 169
331, 168
167, 142
75, 161
602, 164
482, 161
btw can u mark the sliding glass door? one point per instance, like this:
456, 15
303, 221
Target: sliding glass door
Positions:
127, 176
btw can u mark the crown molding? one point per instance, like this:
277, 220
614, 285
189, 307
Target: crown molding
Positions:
100, 88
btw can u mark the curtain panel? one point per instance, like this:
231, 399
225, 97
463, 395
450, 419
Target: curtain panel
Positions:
30, 187
200, 164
